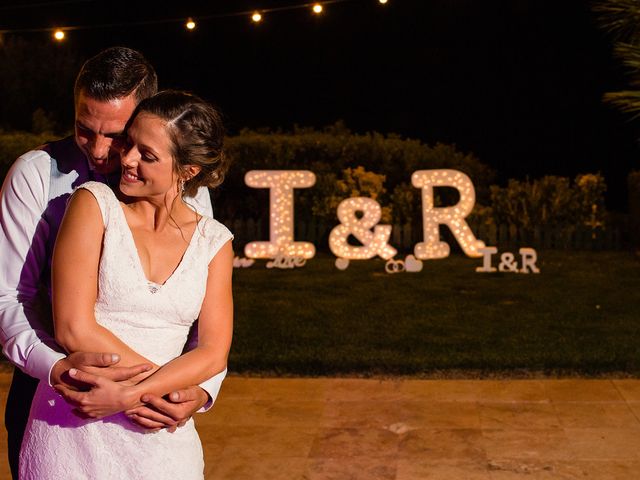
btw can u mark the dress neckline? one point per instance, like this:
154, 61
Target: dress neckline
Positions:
152, 286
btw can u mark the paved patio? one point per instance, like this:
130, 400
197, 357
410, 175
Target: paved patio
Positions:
397, 429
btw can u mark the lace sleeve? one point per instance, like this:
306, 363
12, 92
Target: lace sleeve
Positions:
104, 196
217, 235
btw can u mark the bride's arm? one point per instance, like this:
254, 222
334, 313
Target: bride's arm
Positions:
74, 290
215, 329
208, 358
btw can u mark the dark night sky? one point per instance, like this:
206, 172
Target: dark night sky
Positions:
517, 82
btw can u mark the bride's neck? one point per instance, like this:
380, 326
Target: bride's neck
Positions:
157, 213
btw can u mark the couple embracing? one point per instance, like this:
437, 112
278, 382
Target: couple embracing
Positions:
115, 295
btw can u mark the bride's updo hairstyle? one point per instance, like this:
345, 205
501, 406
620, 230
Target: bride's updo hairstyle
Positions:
196, 132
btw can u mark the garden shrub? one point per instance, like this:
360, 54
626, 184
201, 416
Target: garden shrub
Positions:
329, 191
550, 201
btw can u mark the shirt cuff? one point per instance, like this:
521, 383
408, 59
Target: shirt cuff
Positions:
41, 361
212, 387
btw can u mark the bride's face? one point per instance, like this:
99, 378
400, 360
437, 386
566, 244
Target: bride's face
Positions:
147, 162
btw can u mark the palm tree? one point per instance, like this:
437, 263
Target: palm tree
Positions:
621, 19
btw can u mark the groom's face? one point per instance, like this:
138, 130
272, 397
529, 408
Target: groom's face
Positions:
98, 124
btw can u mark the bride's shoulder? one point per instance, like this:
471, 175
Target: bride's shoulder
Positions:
97, 188
215, 229
96, 193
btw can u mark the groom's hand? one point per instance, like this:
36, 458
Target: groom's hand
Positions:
102, 364
171, 411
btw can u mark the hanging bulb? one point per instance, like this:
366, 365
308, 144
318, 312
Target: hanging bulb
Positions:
256, 17
190, 24
317, 8
58, 35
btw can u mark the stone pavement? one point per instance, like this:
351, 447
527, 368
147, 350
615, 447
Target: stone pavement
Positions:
403, 429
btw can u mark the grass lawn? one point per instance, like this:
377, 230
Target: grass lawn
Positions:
579, 316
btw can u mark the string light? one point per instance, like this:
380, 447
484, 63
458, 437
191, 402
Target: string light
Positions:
58, 35
256, 16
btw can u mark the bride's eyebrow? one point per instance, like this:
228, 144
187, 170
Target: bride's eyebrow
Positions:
145, 147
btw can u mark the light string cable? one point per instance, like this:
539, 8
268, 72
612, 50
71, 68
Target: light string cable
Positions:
70, 28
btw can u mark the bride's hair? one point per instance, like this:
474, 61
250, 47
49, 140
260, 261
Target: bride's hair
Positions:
196, 131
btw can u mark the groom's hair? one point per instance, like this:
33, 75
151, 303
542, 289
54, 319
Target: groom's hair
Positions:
114, 73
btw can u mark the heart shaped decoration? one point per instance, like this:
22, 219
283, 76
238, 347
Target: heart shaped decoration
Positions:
342, 263
411, 264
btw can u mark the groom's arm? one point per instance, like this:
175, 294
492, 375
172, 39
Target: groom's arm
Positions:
25, 330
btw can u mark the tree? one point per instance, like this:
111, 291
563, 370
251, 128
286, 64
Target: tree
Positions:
621, 19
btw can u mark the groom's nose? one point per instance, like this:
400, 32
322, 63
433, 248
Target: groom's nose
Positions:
99, 147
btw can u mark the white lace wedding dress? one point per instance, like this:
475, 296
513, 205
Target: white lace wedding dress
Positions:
152, 319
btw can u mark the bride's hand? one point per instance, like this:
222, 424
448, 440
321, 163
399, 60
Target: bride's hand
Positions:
105, 397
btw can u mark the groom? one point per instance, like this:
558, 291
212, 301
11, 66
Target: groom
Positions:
32, 202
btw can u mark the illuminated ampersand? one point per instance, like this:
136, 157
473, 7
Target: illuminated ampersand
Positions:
280, 184
453, 217
374, 242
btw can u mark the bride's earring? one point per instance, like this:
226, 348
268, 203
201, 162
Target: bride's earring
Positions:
181, 186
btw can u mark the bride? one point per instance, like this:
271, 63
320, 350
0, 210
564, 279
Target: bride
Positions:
132, 271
